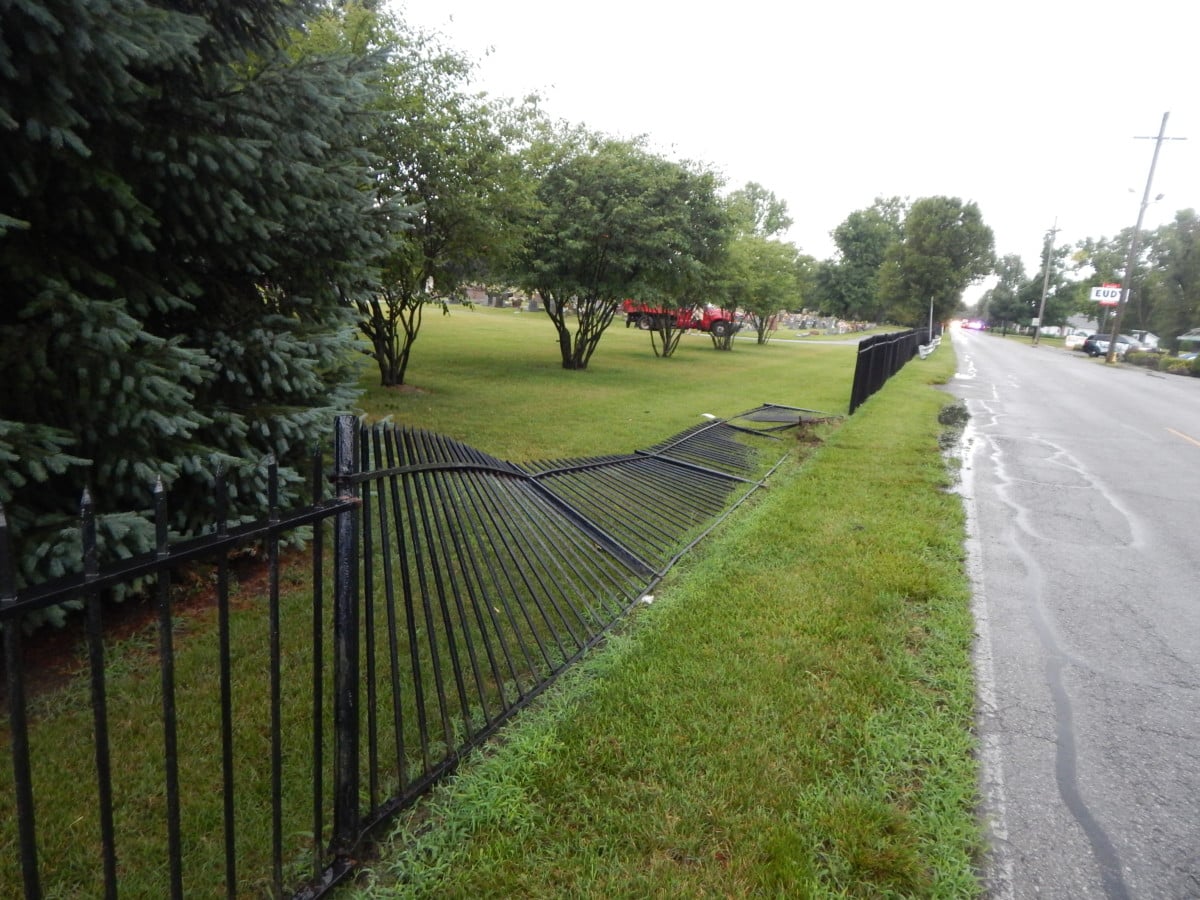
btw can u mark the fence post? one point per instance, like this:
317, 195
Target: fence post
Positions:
18, 728
345, 642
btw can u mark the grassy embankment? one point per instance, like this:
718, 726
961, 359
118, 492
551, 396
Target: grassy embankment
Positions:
792, 716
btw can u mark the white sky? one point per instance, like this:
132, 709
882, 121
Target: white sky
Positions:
1030, 109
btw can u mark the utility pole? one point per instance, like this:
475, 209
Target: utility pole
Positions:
1037, 331
1127, 280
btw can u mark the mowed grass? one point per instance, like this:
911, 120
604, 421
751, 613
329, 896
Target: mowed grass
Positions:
790, 717
494, 379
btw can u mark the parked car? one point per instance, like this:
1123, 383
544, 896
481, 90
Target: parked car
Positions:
1097, 345
1074, 341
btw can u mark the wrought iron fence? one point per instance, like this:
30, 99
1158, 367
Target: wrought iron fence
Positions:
880, 357
455, 589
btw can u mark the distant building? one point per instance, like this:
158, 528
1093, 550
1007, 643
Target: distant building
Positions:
1147, 339
1189, 341
1080, 325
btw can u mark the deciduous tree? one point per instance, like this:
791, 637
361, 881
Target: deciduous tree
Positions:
762, 279
755, 210
946, 247
616, 221
686, 285
1106, 259
445, 159
1004, 305
847, 285
1176, 251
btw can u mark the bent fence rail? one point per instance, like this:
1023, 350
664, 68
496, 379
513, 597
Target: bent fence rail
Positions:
880, 357
455, 588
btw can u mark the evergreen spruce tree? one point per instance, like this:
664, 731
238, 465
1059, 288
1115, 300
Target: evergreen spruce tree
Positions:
184, 213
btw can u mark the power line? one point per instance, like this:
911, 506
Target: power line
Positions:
1053, 233
1127, 279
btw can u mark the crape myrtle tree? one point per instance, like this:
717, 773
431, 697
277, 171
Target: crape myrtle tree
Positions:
946, 247
686, 284
762, 281
446, 162
761, 276
612, 221
183, 206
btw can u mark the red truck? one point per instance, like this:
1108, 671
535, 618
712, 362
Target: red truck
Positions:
712, 319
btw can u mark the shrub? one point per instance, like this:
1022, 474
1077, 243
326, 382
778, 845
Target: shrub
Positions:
1144, 358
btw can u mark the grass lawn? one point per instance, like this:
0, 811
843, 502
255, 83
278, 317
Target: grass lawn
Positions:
791, 717
494, 378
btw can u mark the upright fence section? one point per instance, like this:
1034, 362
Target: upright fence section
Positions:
246, 743
159, 767
880, 357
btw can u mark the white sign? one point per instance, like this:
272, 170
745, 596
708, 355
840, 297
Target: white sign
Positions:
1106, 295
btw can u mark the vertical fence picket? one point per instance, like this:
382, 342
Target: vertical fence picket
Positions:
416, 536
95, 646
442, 566
474, 591
389, 607
487, 562
318, 668
166, 656
402, 517
225, 666
368, 621
276, 675
18, 724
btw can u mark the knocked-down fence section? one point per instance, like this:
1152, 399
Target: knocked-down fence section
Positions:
283, 729
880, 357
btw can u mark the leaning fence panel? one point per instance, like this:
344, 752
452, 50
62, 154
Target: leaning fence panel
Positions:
879, 358
275, 705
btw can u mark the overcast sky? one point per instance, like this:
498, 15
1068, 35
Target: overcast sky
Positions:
1030, 109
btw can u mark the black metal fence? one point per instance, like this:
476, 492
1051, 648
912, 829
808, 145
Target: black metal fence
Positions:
880, 357
453, 587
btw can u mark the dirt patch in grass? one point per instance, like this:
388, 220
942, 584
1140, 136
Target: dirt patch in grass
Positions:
815, 430
52, 656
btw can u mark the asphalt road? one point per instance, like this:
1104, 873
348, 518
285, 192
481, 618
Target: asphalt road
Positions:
1082, 485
